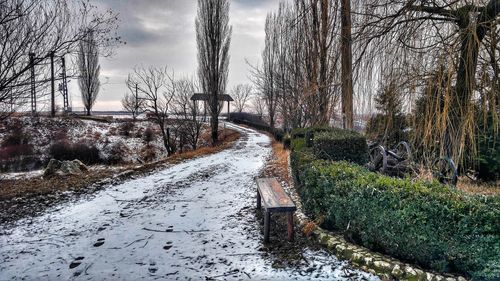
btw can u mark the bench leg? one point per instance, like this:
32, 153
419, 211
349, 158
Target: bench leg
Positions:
258, 200
267, 220
290, 226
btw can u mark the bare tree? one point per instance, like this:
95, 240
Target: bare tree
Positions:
42, 27
131, 102
213, 36
259, 105
241, 94
89, 69
157, 88
188, 112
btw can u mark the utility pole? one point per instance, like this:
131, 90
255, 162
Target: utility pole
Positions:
32, 81
64, 85
136, 100
52, 86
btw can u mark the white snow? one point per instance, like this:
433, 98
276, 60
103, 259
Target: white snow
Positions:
191, 220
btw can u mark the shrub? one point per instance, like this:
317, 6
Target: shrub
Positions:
126, 128
338, 145
16, 152
378, 128
148, 153
87, 153
489, 152
16, 135
426, 223
148, 135
287, 141
116, 152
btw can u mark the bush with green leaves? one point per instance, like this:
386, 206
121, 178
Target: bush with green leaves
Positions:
387, 130
339, 144
435, 226
489, 151
308, 132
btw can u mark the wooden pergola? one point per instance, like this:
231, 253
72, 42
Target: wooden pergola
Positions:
205, 97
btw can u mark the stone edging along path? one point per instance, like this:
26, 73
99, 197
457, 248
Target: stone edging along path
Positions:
387, 268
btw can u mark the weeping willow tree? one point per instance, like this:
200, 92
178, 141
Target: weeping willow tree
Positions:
448, 55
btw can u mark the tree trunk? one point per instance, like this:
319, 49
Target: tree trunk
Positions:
164, 136
347, 91
466, 73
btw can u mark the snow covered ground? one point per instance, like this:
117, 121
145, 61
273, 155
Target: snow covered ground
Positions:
42, 132
194, 220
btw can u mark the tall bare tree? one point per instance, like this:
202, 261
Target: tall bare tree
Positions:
157, 88
89, 69
213, 36
241, 94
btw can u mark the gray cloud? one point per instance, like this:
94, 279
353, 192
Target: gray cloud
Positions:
162, 32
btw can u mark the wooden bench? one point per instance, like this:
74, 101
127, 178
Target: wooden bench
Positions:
273, 197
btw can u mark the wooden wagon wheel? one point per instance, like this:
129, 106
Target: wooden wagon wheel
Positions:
403, 151
445, 171
378, 157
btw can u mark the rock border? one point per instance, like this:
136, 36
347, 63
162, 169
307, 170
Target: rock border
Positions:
386, 267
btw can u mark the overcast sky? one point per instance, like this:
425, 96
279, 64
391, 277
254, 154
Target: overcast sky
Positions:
162, 32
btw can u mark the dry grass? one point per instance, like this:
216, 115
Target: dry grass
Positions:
469, 186
465, 184
28, 188
277, 165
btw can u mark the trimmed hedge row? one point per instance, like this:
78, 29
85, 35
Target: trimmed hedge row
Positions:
426, 223
338, 145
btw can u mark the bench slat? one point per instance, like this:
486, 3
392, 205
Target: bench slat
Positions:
273, 196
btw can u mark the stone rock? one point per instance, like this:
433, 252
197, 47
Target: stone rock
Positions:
397, 272
410, 273
63, 168
323, 238
382, 266
332, 243
368, 260
420, 274
461, 279
357, 258
51, 168
339, 249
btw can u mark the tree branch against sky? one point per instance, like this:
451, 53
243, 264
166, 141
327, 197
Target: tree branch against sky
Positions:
42, 27
241, 94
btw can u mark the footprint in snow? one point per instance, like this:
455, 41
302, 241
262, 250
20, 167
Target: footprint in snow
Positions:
76, 262
99, 242
168, 245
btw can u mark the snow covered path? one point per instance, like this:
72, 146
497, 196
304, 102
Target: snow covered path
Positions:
191, 220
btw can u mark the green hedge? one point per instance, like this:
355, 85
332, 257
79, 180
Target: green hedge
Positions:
308, 132
425, 223
338, 145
